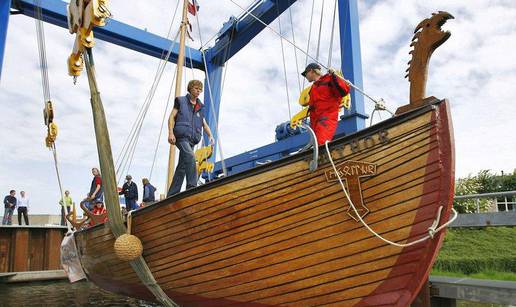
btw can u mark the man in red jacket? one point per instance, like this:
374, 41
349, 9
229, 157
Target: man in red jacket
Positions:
325, 97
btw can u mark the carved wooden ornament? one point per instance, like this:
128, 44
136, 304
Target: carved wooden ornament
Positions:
351, 172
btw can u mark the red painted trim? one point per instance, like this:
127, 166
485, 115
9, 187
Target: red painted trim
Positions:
446, 155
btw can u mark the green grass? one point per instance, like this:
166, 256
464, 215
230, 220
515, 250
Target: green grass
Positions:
486, 253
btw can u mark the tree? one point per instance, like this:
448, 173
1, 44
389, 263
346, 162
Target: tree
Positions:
484, 182
467, 186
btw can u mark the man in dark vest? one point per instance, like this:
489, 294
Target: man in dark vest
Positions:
185, 126
130, 192
9, 204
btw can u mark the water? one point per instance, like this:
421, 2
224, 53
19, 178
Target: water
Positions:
84, 293
62, 293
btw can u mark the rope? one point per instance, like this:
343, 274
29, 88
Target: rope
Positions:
211, 99
294, 41
305, 52
45, 83
126, 153
309, 38
379, 106
226, 63
191, 64
330, 51
162, 125
56, 165
320, 29
432, 230
284, 66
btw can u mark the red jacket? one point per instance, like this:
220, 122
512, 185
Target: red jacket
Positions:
98, 211
325, 97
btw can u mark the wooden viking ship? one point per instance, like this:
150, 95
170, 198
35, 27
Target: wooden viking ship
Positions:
282, 234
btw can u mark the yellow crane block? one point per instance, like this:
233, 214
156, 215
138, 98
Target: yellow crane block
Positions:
201, 159
83, 15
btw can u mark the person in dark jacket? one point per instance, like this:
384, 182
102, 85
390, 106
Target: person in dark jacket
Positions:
148, 192
185, 126
130, 192
9, 205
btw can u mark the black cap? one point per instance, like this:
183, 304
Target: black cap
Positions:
311, 66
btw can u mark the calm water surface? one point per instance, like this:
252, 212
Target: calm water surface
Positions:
83, 293
62, 293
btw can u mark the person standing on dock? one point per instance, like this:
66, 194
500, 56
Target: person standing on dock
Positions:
23, 208
66, 202
325, 96
185, 126
9, 204
130, 192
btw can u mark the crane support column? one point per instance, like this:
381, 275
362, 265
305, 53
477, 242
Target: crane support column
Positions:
5, 8
351, 64
214, 75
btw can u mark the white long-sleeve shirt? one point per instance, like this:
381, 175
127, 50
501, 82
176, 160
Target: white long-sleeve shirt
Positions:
23, 202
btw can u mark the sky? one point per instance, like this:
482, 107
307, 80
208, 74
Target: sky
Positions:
475, 69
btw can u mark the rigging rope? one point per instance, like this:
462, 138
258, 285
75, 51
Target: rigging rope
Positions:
432, 230
330, 51
284, 65
211, 100
303, 51
127, 150
162, 125
226, 62
46, 91
128, 155
320, 29
191, 63
309, 38
295, 50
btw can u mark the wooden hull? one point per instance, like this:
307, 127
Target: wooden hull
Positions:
281, 235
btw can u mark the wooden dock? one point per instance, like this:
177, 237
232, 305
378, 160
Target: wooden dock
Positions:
30, 248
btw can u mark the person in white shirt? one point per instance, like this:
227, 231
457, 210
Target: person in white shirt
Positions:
23, 208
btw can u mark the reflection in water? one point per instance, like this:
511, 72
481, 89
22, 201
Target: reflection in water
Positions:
62, 293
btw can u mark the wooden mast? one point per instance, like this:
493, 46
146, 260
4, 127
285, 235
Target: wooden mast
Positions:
115, 223
179, 74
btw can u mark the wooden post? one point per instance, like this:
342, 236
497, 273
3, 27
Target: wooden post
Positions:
53, 249
21, 250
5, 249
179, 74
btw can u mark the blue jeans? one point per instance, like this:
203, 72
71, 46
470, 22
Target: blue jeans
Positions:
185, 167
8, 216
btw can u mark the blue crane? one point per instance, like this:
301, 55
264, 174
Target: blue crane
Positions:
235, 34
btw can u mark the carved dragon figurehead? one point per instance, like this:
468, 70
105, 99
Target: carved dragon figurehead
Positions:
428, 37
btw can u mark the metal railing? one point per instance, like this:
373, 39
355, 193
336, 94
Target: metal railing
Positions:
508, 203
502, 213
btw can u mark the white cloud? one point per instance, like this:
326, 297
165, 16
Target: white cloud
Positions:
474, 69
